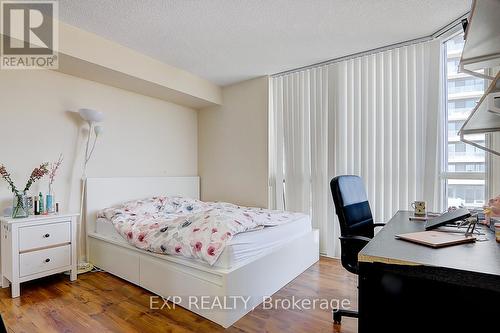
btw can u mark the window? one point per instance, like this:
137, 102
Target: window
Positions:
465, 85
465, 165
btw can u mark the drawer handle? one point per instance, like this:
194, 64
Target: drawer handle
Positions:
46, 236
47, 260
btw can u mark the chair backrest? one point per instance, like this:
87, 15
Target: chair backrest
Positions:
354, 213
352, 207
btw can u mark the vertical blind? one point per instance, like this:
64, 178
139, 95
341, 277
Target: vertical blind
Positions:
376, 116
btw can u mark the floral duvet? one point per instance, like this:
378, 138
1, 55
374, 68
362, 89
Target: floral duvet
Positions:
188, 227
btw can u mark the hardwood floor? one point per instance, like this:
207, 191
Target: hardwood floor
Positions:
100, 302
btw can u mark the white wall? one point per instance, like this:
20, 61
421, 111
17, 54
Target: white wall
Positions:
142, 136
233, 148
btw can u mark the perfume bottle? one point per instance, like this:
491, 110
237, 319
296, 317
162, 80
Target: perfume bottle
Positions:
36, 205
40, 204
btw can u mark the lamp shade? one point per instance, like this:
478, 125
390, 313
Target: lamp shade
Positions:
90, 115
98, 130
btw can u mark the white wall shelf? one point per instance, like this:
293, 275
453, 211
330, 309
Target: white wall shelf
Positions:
482, 38
482, 119
482, 52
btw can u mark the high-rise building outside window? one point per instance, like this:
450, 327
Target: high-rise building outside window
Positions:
465, 165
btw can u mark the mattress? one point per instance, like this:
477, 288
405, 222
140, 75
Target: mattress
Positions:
243, 246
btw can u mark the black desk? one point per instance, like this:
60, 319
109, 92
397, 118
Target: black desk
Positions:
405, 287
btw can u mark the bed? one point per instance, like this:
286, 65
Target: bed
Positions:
254, 264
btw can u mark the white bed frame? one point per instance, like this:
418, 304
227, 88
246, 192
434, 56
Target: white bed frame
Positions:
169, 276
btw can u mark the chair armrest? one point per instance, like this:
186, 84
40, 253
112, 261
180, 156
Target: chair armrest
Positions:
351, 246
355, 239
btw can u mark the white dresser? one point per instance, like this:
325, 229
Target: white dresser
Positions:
37, 246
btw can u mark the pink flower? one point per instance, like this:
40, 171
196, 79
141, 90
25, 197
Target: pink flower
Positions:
178, 249
53, 169
197, 246
3, 171
211, 250
129, 235
226, 236
196, 229
214, 230
39, 172
141, 237
36, 174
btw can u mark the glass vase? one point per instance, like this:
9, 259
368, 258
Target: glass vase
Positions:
20, 207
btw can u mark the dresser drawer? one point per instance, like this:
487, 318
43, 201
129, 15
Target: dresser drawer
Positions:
40, 236
44, 260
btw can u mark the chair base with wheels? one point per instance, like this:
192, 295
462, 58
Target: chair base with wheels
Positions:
338, 314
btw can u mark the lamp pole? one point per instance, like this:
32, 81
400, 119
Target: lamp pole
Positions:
92, 117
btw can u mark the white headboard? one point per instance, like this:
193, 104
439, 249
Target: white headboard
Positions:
106, 192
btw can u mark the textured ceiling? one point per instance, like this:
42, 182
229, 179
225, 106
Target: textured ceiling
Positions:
227, 41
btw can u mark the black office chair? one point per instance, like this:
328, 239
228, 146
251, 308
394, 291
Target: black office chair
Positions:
356, 225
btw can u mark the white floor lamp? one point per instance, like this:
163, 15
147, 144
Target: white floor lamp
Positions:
92, 117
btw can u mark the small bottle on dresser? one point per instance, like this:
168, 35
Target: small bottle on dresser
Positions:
31, 206
40, 204
36, 205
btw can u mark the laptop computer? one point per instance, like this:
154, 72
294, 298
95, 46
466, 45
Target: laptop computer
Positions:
448, 217
436, 239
